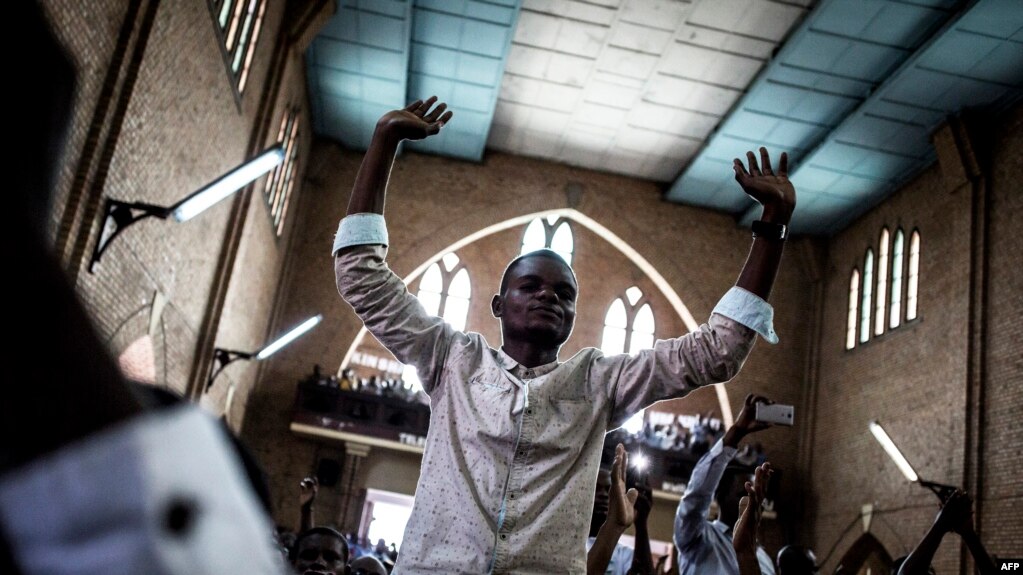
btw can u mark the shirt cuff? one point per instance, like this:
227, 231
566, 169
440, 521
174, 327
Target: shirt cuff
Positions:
360, 230
720, 448
750, 310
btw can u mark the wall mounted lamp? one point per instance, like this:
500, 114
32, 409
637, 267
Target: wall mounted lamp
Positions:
223, 357
119, 216
939, 489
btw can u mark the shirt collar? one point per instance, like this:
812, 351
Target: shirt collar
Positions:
508, 363
721, 526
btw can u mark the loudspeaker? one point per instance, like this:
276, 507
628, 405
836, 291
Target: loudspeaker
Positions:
328, 471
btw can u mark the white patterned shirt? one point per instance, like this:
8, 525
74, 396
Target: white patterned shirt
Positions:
512, 453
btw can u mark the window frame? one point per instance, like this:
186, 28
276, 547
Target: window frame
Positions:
283, 175
549, 230
233, 30
446, 277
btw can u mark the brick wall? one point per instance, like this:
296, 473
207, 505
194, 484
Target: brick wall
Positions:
182, 128
1002, 428
434, 202
915, 378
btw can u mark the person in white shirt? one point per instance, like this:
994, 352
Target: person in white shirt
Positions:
515, 435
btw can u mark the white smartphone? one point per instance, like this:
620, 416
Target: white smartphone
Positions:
775, 413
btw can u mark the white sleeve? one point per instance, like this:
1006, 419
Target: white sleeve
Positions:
161, 493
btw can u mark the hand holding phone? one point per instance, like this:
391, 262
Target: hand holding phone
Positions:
775, 413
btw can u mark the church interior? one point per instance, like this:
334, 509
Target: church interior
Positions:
604, 130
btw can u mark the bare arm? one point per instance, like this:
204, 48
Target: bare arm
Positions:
642, 557
307, 497
744, 538
414, 122
777, 195
621, 514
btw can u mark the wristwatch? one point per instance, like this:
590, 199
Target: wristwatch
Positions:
769, 231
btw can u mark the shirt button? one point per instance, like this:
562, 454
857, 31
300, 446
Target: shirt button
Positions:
522, 454
504, 536
529, 411
511, 496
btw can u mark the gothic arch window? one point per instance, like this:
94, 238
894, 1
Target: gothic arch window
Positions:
628, 324
550, 232
882, 281
854, 300
445, 290
913, 283
866, 295
895, 308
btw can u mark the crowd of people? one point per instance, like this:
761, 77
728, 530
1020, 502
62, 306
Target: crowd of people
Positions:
126, 481
392, 387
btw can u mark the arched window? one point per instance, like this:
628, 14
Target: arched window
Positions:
866, 295
854, 300
629, 325
914, 275
445, 290
550, 232
882, 281
281, 181
895, 309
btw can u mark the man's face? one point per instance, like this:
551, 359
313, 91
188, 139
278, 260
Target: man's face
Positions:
539, 303
320, 554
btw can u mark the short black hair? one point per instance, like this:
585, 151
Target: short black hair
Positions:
540, 253
321, 530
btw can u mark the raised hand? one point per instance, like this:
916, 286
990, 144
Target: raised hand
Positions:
744, 535
771, 189
747, 422
415, 121
308, 488
622, 510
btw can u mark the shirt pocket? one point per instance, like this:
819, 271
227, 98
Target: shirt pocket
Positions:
567, 424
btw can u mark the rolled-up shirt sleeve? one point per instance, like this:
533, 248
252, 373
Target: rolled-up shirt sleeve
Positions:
672, 368
750, 310
380, 298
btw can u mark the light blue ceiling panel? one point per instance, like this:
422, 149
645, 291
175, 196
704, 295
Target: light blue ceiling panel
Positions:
814, 179
866, 162
880, 21
999, 18
912, 114
887, 139
821, 83
851, 187
358, 68
828, 208
830, 65
959, 51
458, 53
883, 134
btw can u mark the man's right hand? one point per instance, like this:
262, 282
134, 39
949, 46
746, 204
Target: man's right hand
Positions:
747, 422
416, 121
308, 490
